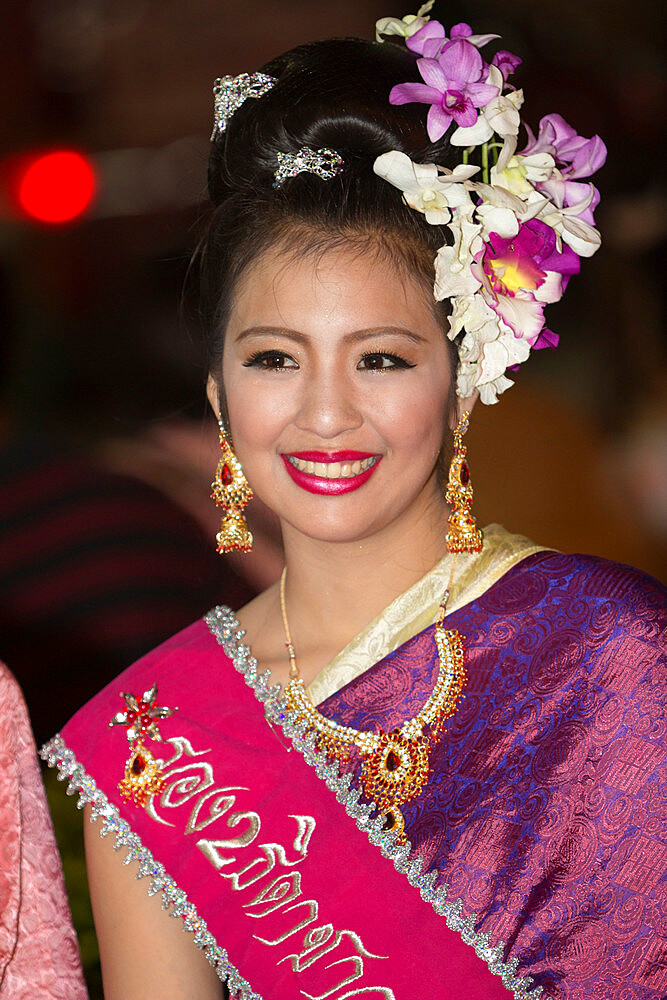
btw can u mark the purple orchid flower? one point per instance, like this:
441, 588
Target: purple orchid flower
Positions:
575, 156
451, 86
463, 30
547, 338
515, 264
431, 39
524, 272
528, 256
565, 194
428, 41
506, 62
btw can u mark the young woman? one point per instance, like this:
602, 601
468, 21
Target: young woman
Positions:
454, 791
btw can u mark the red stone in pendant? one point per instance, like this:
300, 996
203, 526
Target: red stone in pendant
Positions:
464, 474
392, 762
138, 764
226, 475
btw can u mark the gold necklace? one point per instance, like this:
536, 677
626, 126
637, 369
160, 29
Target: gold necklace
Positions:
394, 766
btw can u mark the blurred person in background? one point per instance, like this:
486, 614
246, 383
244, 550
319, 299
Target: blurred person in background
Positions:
97, 566
463, 756
39, 956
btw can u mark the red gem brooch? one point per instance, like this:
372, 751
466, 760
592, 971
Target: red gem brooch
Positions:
143, 773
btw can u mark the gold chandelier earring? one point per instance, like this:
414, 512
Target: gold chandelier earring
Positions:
231, 491
463, 534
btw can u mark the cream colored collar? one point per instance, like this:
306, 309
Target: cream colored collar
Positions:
417, 608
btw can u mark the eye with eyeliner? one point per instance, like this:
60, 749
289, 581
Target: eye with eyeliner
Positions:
270, 361
396, 361
373, 361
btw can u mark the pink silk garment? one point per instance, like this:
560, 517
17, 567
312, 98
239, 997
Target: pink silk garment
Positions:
39, 955
536, 863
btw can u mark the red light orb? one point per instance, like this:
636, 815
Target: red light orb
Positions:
57, 187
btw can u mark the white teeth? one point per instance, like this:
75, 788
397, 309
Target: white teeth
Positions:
332, 470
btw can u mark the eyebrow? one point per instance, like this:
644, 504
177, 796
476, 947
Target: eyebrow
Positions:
355, 336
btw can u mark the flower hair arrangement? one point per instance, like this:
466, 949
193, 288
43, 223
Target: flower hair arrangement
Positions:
519, 230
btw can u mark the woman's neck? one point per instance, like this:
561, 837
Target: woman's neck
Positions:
333, 590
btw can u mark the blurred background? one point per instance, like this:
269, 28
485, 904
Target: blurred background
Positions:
106, 450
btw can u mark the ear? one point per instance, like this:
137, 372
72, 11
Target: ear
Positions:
465, 405
212, 395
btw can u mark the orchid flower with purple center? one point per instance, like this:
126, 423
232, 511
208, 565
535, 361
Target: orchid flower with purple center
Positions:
506, 62
452, 86
522, 261
520, 275
520, 230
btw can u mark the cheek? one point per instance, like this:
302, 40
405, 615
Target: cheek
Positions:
257, 417
415, 417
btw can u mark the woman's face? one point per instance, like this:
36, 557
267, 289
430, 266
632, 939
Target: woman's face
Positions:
337, 378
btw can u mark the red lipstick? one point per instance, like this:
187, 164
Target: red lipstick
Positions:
330, 487
332, 456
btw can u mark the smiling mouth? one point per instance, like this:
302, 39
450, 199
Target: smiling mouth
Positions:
332, 470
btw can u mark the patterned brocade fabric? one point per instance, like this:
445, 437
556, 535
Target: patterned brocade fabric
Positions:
547, 808
39, 955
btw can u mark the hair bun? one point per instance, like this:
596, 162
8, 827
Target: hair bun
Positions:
333, 93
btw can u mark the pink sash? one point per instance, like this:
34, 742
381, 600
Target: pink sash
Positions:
303, 892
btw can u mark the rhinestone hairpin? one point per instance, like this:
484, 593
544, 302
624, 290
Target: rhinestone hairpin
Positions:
230, 92
325, 163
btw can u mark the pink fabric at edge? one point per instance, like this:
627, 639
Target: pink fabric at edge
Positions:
39, 954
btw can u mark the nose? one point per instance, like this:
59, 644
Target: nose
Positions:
328, 407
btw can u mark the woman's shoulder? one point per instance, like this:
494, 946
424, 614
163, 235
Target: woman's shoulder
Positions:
594, 577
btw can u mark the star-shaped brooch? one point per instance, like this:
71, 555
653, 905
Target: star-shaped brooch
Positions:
143, 773
141, 715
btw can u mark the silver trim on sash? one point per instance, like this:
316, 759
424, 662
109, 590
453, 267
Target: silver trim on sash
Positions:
56, 753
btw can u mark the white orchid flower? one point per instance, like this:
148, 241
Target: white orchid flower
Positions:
406, 26
451, 280
583, 239
519, 174
472, 314
489, 392
473, 135
499, 116
426, 187
495, 360
551, 289
495, 219
465, 380
500, 197
453, 273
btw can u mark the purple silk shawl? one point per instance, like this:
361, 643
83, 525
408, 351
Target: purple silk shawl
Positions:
546, 811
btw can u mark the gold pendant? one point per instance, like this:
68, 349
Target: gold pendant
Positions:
396, 771
143, 776
395, 766
143, 772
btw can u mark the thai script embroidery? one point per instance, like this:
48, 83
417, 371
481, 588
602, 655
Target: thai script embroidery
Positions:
189, 781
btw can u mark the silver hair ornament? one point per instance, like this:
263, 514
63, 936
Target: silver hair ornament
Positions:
325, 163
230, 92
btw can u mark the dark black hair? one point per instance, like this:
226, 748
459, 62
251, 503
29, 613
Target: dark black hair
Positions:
333, 93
